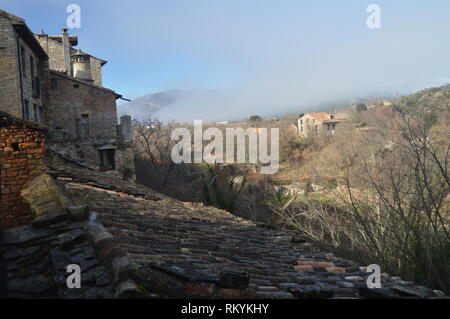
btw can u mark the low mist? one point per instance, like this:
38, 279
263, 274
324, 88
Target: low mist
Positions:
273, 58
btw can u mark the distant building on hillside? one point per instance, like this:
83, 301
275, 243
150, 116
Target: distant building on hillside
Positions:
319, 123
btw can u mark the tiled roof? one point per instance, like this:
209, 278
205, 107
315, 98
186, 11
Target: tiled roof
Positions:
64, 75
320, 116
11, 16
73, 39
198, 243
130, 241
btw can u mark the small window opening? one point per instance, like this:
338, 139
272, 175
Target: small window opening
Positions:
22, 56
35, 113
53, 83
26, 110
107, 160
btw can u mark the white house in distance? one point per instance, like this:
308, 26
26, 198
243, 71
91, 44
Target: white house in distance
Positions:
321, 123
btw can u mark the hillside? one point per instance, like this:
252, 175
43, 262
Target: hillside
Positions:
166, 105
433, 99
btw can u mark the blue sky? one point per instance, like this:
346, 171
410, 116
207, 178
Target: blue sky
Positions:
262, 54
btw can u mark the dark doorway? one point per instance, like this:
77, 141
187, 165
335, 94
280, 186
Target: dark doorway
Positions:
107, 160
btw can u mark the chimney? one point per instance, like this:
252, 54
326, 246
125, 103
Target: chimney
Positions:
66, 51
82, 66
43, 40
127, 130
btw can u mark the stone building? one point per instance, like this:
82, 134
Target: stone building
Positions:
82, 113
21, 159
45, 79
84, 127
23, 70
60, 51
319, 123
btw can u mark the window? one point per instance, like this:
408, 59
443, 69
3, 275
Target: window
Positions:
85, 115
58, 134
41, 114
53, 83
26, 110
37, 87
33, 83
76, 86
35, 112
22, 57
107, 159
301, 122
32, 67
38, 81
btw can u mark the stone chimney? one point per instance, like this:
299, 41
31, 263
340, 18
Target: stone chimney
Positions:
82, 66
43, 40
126, 128
66, 51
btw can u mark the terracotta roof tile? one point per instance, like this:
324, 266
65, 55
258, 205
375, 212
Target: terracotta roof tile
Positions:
320, 116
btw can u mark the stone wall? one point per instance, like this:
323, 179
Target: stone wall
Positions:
28, 82
125, 162
96, 71
86, 153
17, 82
83, 119
55, 51
71, 99
9, 69
21, 159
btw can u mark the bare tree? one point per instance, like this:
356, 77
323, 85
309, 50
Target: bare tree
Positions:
393, 197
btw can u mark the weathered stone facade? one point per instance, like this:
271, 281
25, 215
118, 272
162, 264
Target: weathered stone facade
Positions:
44, 79
87, 154
72, 101
83, 125
23, 71
9, 68
60, 51
21, 159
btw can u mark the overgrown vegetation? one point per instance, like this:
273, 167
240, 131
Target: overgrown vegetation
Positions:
391, 205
